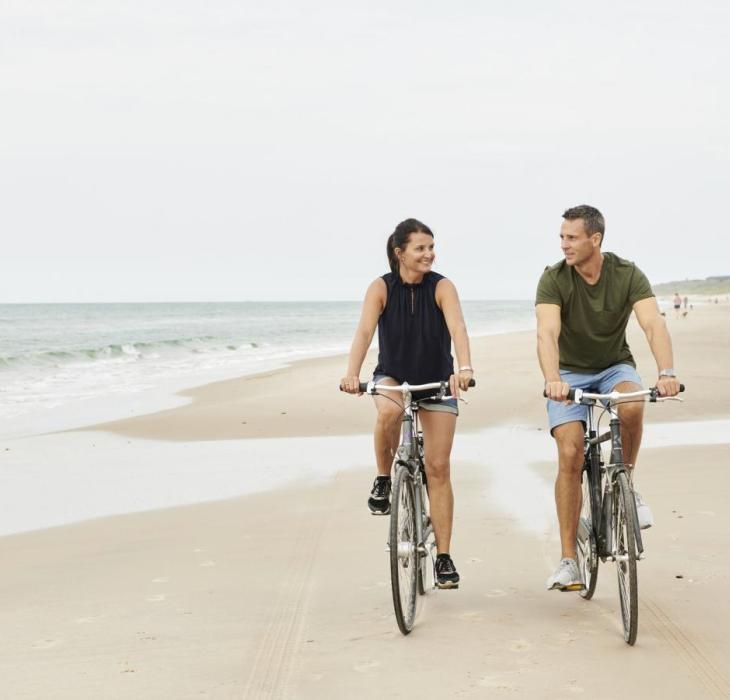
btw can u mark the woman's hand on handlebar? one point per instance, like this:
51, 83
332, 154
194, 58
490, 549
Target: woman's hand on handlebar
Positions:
351, 385
461, 381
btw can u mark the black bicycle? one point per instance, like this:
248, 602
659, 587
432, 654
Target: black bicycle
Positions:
411, 541
608, 529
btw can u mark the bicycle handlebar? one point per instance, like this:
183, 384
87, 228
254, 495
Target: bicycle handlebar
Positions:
366, 386
578, 395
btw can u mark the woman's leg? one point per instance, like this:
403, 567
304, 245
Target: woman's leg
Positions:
387, 427
438, 437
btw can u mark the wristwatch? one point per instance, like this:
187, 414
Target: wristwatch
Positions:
667, 373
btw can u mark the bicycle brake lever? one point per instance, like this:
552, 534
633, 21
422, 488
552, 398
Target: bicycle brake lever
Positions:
669, 398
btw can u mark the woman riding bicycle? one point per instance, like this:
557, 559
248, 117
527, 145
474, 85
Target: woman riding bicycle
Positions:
417, 313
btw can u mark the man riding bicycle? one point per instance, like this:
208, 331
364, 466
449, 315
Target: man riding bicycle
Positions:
583, 304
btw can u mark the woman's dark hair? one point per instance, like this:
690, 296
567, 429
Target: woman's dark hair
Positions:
399, 239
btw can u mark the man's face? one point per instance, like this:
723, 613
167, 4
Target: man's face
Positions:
576, 244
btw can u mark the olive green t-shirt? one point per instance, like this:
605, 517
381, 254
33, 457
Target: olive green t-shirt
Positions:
594, 317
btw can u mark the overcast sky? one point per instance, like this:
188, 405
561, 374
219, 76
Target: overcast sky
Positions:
179, 150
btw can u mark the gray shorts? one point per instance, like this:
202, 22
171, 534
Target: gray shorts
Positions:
447, 406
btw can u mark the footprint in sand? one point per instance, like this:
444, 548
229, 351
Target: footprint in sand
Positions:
496, 593
46, 644
472, 616
156, 598
366, 666
87, 619
520, 645
496, 683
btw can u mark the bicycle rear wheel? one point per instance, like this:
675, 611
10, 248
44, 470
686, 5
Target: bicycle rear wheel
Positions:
403, 555
624, 508
586, 544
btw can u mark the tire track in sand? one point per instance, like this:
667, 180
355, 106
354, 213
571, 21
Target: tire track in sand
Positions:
272, 668
697, 660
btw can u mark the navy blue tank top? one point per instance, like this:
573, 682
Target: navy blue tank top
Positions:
414, 341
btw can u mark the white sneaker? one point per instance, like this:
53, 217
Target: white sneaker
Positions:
646, 519
566, 577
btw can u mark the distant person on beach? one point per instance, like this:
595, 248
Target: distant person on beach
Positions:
583, 304
677, 302
417, 314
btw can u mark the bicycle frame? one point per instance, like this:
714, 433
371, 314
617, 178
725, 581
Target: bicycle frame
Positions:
602, 503
408, 457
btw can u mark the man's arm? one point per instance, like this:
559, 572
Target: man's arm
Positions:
655, 329
548, 353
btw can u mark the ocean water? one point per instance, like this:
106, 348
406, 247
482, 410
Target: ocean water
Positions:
59, 356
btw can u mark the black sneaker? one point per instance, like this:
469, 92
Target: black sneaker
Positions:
446, 574
379, 501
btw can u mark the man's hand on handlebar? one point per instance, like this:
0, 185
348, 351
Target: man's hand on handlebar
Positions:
668, 386
557, 391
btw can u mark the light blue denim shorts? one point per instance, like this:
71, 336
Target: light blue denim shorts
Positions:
447, 406
601, 383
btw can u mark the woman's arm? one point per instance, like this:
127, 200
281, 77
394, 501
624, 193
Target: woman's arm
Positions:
447, 299
372, 307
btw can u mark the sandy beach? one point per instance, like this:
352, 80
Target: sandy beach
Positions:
284, 592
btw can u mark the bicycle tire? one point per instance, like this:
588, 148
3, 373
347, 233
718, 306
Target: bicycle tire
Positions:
403, 555
426, 577
626, 557
586, 544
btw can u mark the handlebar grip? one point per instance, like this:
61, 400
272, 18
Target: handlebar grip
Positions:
363, 387
571, 394
472, 382
681, 388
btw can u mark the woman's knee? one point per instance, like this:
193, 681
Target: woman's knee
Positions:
438, 468
388, 419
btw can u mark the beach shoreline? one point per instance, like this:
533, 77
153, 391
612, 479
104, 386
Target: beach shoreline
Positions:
284, 592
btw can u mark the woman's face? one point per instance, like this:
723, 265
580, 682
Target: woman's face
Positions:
418, 254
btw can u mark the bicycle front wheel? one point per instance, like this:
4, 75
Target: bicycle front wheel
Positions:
586, 544
624, 509
426, 578
404, 559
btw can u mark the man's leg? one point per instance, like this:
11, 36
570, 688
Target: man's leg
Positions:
624, 378
568, 497
631, 416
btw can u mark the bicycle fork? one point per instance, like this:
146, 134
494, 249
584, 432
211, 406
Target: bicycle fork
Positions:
406, 452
